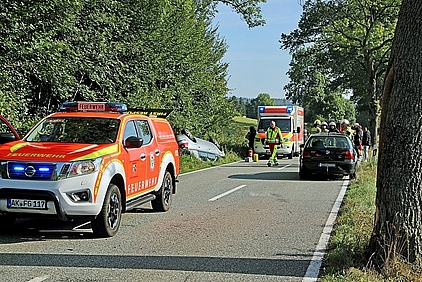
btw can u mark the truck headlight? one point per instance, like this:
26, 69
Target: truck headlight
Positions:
84, 167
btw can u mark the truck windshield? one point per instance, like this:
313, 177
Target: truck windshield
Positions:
283, 124
75, 130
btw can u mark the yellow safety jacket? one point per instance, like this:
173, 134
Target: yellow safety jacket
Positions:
272, 135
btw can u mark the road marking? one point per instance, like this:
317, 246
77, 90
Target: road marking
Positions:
208, 168
226, 193
286, 166
316, 261
39, 279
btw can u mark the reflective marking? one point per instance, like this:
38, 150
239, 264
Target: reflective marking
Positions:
286, 166
39, 279
316, 261
226, 193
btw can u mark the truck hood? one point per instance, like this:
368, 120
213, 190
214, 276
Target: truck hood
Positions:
54, 151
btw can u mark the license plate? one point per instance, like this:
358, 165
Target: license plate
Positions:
326, 165
26, 204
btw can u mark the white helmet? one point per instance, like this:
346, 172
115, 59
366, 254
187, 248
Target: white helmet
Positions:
324, 123
345, 121
332, 123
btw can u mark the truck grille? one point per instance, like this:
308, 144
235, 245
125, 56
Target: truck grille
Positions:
32, 171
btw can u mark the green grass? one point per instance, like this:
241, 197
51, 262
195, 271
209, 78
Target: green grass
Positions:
346, 258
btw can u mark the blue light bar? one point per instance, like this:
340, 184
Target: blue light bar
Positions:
289, 109
44, 169
18, 168
261, 109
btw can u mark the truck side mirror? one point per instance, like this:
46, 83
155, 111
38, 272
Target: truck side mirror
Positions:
133, 142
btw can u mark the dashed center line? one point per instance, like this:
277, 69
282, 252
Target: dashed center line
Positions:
286, 166
39, 278
226, 193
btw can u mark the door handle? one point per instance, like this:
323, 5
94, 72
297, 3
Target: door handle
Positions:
157, 152
143, 157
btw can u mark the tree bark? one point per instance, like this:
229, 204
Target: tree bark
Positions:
398, 217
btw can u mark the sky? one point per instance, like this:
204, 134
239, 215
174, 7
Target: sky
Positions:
256, 62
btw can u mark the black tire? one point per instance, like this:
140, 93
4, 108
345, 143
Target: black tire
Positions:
164, 196
107, 222
7, 220
290, 156
188, 134
303, 173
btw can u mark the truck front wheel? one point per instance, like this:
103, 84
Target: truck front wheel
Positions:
163, 201
107, 222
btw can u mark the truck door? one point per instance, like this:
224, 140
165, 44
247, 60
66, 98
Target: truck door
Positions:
152, 153
135, 163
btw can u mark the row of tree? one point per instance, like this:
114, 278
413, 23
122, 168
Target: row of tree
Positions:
341, 47
150, 53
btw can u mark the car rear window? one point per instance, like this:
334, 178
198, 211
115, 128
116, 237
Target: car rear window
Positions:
328, 142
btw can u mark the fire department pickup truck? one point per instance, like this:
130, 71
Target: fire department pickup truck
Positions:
90, 160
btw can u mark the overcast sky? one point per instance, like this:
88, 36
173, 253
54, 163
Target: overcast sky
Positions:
257, 64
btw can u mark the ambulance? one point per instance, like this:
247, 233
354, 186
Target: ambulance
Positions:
89, 160
291, 121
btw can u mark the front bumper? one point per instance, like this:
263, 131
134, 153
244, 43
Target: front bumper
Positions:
56, 195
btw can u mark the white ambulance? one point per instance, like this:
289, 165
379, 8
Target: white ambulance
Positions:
291, 121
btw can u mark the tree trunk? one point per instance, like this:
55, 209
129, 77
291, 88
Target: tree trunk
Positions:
398, 217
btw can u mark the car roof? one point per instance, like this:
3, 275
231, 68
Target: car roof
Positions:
327, 134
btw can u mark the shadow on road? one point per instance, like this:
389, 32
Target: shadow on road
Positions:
270, 175
258, 266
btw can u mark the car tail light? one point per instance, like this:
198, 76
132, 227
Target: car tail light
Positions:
349, 155
306, 154
183, 145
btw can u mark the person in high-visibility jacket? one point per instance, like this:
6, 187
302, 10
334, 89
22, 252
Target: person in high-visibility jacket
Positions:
316, 128
273, 138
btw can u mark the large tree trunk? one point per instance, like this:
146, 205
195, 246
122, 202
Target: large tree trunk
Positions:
398, 217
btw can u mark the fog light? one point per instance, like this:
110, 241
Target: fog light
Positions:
82, 196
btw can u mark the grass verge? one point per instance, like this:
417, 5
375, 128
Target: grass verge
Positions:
346, 258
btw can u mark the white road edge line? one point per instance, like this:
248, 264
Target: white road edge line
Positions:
286, 166
226, 193
39, 279
314, 266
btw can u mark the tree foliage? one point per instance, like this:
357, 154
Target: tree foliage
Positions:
311, 87
355, 36
248, 9
150, 53
263, 99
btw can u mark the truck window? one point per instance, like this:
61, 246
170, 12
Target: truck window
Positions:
130, 130
283, 124
144, 131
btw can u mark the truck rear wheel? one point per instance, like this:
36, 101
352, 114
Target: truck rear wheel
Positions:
107, 222
163, 201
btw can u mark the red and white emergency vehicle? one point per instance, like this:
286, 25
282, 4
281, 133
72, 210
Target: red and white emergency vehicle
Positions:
90, 160
290, 120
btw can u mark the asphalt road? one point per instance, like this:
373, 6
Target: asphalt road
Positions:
239, 222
